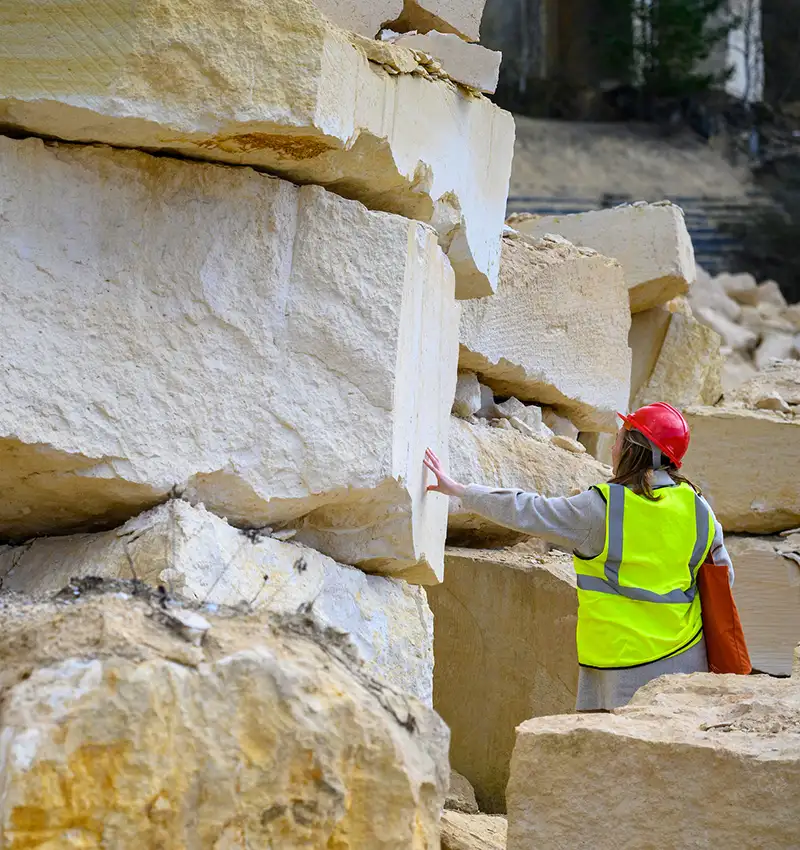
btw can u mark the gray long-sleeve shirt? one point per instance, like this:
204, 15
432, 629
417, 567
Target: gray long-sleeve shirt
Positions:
575, 523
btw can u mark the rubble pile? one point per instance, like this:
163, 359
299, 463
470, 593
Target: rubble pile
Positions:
255, 263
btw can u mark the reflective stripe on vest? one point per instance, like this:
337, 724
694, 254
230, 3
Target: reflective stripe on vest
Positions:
651, 556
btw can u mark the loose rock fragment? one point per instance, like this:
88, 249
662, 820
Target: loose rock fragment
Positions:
473, 832
468, 64
468, 395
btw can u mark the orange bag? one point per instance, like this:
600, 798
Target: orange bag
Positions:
725, 643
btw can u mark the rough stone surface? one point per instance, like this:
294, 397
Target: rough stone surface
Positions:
559, 425
723, 751
774, 346
645, 340
531, 415
291, 93
365, 17
468, 64
504, 642
199, 556
118, 732
746, 463
769, 292
736, 337
461, 796
275, 352
500, 458
736, 370
649, 240
688, 370
457, 16
468, 395
782, 379
473, 832
741, 287
767, 592
555, 333
599, 446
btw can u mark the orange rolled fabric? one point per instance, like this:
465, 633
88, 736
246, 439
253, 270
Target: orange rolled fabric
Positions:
725, 643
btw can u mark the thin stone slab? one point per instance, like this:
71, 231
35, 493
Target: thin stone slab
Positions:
273, 85
280, 354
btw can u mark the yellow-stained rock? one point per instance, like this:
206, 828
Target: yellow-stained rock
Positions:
119, 732
504, 644
274, 85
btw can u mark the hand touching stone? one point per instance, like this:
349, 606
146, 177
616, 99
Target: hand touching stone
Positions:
444, 484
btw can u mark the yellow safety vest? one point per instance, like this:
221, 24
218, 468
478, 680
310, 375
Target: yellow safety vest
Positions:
638, 600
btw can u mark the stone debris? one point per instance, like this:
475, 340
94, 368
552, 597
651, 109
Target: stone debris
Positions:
722, 750
559, 425
778, 380
314, 108
473, 832
469, 64
199, 556
117, 731
277, 353
767, 592
469, 396
506, 458
555, 333
530, 416
650, 241
745, 462
504, 642
774, 346
461, 796
568, 444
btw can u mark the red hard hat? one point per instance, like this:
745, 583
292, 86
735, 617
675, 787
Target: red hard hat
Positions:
664, 426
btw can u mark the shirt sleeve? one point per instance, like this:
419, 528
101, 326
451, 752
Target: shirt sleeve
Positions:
575, 523
719, 554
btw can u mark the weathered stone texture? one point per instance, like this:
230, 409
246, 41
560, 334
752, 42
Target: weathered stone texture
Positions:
767, 592
275, 352
700, 761
746, 463
118, 732
782, 379
289, 92
468, 64
365, 17
458, 16
504, 643
461, 796
496, 457
555, 332
198, 555
473, 832
649, 240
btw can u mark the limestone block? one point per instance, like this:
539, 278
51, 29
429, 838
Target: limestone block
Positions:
473, 832
737, 369
710, 293
291, 93
555, 333
774, 346
278, 353
365, 17
468, 64
531, 415
721, 750
746, 463
198, 555
462, 17
468, 395
741, 287
645, 340
649, 240
734, 336
688, 370
559, 425
782, 379
599, 446
769, 292
116, 731
504, 642
767, 592
461, 796
498, 458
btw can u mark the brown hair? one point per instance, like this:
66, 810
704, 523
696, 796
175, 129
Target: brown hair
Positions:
635, 467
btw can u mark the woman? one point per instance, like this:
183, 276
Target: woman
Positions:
638, 542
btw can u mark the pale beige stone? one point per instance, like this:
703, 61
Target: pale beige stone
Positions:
645, 340
649, 240
468, 400
365, 17
599, 446
499, 458
559, 425
782, 379
737, 369
704, 761
273, 85
746, 463
473, 832
735, 337
278, 353
118, 732
767, 592
769, 292
461, 796
457, 16
710, 293
555, 333
531, 415
504, 643
469, 64
774, 346
772, 401
741, 287
199, 556
688, 370
568, 444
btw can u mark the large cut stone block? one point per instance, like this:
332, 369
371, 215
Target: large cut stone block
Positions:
649, 240
746, 464
469, 64
555, 332
118, 731
497, 457
458, 16
277, 353
702, 761
273, 85
688, 365
198, 555
365, 17
767, 591
504, 643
